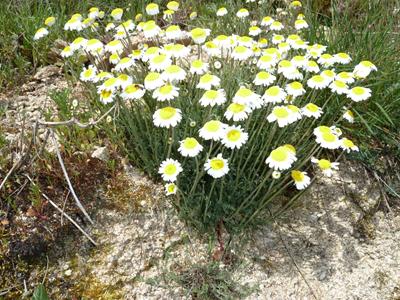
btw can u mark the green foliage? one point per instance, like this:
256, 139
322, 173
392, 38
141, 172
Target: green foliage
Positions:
40, 293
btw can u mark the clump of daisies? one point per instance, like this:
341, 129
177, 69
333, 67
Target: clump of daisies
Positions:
229, 122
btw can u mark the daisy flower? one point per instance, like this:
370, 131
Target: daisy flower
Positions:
66, 52
94, 46
241, 53
359, 93
180, 51
88, 74
295, 89
207, 81
328, 140
117, 13
151, 29
50, 21
173, 5
348, 145
276, 26
277, 39
159, 62
211, 49
152, 9
234, 137
217, 166
199, 35
348, 116
266, 62
75, 23
198, 67
339, 87
150, 52
132, 92
329, 75
254, 30
170, 169
190, 147
312, 110
301, 179
110, 84
345, 77
115, 46
78, 43
193, 15
299, 61
173, 73
213, 97
321, 130
247, 97
266, 21
237, 112
300, 24
173, 32
103, 75
295, 4
326, 166
274, 94
312, 67
166, 92
342, 58
153, 80
124, 64
114, 58
242, 13
222, 11
295, 112
264, 78
318, 82
284, 47
167, 117
364, 68
326, 60
281, 158
106, 96
41, 32
170, 189
212, 130
109, 27
282, 115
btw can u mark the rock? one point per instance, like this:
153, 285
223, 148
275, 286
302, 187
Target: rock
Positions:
101, 153
46, 72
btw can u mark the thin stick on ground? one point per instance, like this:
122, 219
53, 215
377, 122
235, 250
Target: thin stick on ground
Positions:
64, 213
71, 188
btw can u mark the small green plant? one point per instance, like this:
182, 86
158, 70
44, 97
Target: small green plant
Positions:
229, 122
40, 293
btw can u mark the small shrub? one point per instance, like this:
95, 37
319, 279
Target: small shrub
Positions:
232, 123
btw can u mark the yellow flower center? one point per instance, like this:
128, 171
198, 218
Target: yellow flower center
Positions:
263, 75
171, 188
318, 78
173, 69
167, 113
358, 91
170, 169
281, 112
273, 91
244, 93
159, 59
212, 126
236, 108
211, 94
297, 176
324, 164
166, 89
206, 78
348, 143
190, 143
152, 77
132, 88
233, 135
279, 154
329, 137
106, 94
197, 64
266, 58
240, 49
312, 107
296, 85
217, 164
110, 82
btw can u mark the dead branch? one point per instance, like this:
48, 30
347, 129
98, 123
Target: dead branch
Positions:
64, 213
71, 188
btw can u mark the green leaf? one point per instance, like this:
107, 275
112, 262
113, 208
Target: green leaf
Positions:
40, 293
